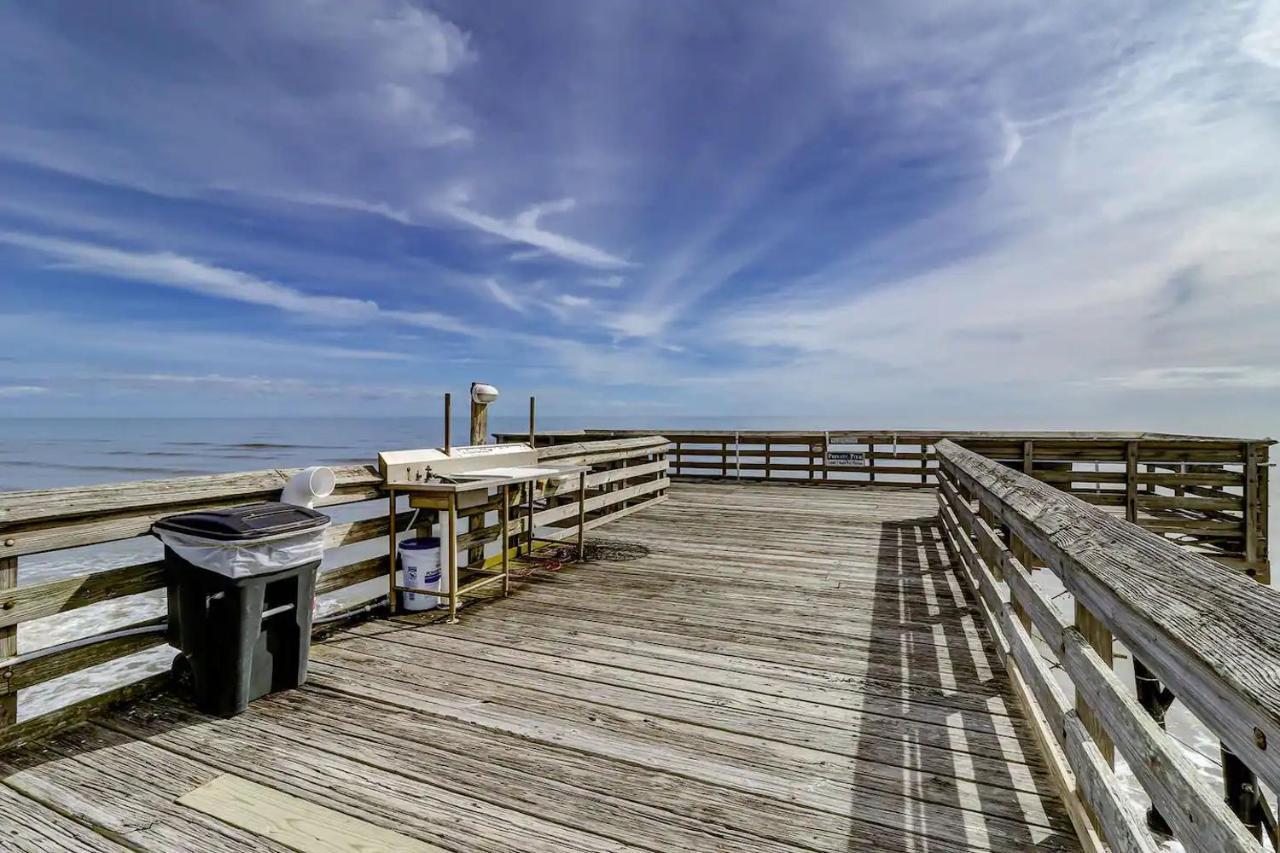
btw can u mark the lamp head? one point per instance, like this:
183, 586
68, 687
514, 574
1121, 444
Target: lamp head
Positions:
481, 393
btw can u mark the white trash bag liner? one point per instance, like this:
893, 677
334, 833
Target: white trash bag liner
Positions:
242, 559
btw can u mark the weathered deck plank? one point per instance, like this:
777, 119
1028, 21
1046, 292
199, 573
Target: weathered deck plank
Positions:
788, 668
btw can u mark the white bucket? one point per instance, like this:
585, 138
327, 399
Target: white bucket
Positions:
420, 560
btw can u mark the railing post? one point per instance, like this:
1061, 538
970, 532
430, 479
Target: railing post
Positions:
1156, 699
1239, 783
1242, 793
768, 460
1131, 481
1023, 555
724, 459
8, 646
1250, 503
1028, 458
1099, 638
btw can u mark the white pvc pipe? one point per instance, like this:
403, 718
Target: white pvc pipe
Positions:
308, 484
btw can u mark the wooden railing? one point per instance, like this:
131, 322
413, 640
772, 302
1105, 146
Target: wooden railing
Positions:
1195, 632
1206, 493
626, 475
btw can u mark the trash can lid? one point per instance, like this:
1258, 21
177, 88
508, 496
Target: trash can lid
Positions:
245, 523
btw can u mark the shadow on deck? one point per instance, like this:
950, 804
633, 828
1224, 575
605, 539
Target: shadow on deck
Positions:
787, 668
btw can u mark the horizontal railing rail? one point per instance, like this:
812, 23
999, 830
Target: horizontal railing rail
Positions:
1206, 492
626, 475
1195, 632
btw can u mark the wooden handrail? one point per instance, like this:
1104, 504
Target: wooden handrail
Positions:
1205, 633
629, 474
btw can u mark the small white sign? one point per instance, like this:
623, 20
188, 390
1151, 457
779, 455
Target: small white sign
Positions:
847, 458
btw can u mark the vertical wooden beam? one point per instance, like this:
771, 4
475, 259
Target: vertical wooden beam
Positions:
8, 644
1251, 519
1131, 481
1243, 796
479, 419
582, 516
479, 434
871, 459
533, 434
724, 459
924, 463
448, 420
392, 556
1029, 458
505, 523
1156, 699
1261, 453
768, 459
1023, 555
826, 449
453, 557
1099, 637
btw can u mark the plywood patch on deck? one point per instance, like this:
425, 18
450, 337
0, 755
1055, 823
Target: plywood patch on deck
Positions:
302, 825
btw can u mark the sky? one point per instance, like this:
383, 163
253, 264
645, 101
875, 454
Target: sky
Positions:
890, 214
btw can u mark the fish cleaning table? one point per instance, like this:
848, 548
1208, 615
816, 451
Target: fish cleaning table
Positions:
451, 479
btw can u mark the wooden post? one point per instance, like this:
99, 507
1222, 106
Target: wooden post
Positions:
582, 516
1250, 503
1023, 555
1263, 574
453, 557
479, 418
724, 459
1239, 783
1243, 795
871, 460
448, 417
826, 449
1029, 458
1099, 637
506, 542
768, 459
533, 411
392, 556
924, 463
1156, 699
1131, 481
8, 645
479, 435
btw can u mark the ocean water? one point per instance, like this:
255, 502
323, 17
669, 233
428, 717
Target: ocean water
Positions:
51, 453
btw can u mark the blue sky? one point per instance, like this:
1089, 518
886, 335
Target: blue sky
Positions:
902, 213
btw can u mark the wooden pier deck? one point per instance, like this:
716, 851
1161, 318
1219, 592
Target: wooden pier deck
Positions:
783, 667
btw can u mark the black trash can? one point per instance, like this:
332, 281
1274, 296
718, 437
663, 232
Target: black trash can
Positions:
241, 584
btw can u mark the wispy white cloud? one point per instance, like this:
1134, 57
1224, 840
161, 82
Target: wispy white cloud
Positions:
1251, 377
525, 227
607, 282
176, 271
22, 390
262, 385
502, 295
1130, 223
